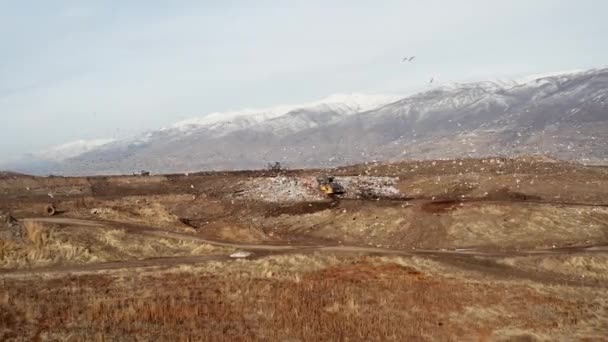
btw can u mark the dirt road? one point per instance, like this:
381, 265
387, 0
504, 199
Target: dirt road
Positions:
151, 231
457, 257
117, 265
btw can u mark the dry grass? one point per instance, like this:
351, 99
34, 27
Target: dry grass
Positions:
448, 224
146, 210
585, 267
118, 244
285, 267
41, 247
36, 233
314, 297
525, 225
356, 299
48, 245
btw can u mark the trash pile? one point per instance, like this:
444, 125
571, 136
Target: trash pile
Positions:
282, 189
101, 211
241, 254
366, 187
307, 189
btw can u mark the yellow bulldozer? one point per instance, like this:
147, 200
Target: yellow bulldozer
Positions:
330, 186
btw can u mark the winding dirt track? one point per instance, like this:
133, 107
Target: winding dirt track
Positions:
151, 231
117, 265
462, 257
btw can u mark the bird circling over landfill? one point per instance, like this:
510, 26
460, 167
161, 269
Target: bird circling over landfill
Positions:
408, 59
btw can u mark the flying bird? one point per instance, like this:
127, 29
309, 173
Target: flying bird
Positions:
432, 79
408, 59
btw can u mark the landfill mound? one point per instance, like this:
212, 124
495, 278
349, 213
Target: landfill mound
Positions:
362, 187
306, 188
282, 189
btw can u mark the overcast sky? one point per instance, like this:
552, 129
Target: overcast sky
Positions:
108, 69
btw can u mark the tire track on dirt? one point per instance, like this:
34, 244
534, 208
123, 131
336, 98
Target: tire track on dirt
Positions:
117, 265
156, 232
466, 259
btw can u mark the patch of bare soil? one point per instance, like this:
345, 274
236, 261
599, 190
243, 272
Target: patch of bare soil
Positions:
505, 194
300, 208
442, 206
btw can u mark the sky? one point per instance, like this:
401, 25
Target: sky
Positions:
73, 70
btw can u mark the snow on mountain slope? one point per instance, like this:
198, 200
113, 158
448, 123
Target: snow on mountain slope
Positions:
565, 116
283, 119
71, 149
447, 100
341, 103
535, 77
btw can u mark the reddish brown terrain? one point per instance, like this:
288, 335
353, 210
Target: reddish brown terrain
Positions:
473, 249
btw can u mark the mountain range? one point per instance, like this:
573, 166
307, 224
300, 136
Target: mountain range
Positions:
562, 116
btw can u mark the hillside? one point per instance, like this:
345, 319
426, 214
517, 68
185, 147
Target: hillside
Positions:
564, 117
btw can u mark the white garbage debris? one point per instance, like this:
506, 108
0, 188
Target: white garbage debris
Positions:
241, 254
100, 211
307, 189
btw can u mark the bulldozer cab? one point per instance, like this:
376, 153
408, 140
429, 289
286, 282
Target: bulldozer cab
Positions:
330, 186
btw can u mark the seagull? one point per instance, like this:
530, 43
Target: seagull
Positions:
408, 59
432, 79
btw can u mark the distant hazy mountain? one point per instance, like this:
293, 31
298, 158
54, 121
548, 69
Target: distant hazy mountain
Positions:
564, 116
48, 160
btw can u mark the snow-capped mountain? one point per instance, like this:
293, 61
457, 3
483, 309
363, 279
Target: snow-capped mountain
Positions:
71, 149
279, 120
563, 116
341, 104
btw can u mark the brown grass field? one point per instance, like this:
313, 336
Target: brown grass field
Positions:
470, 250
